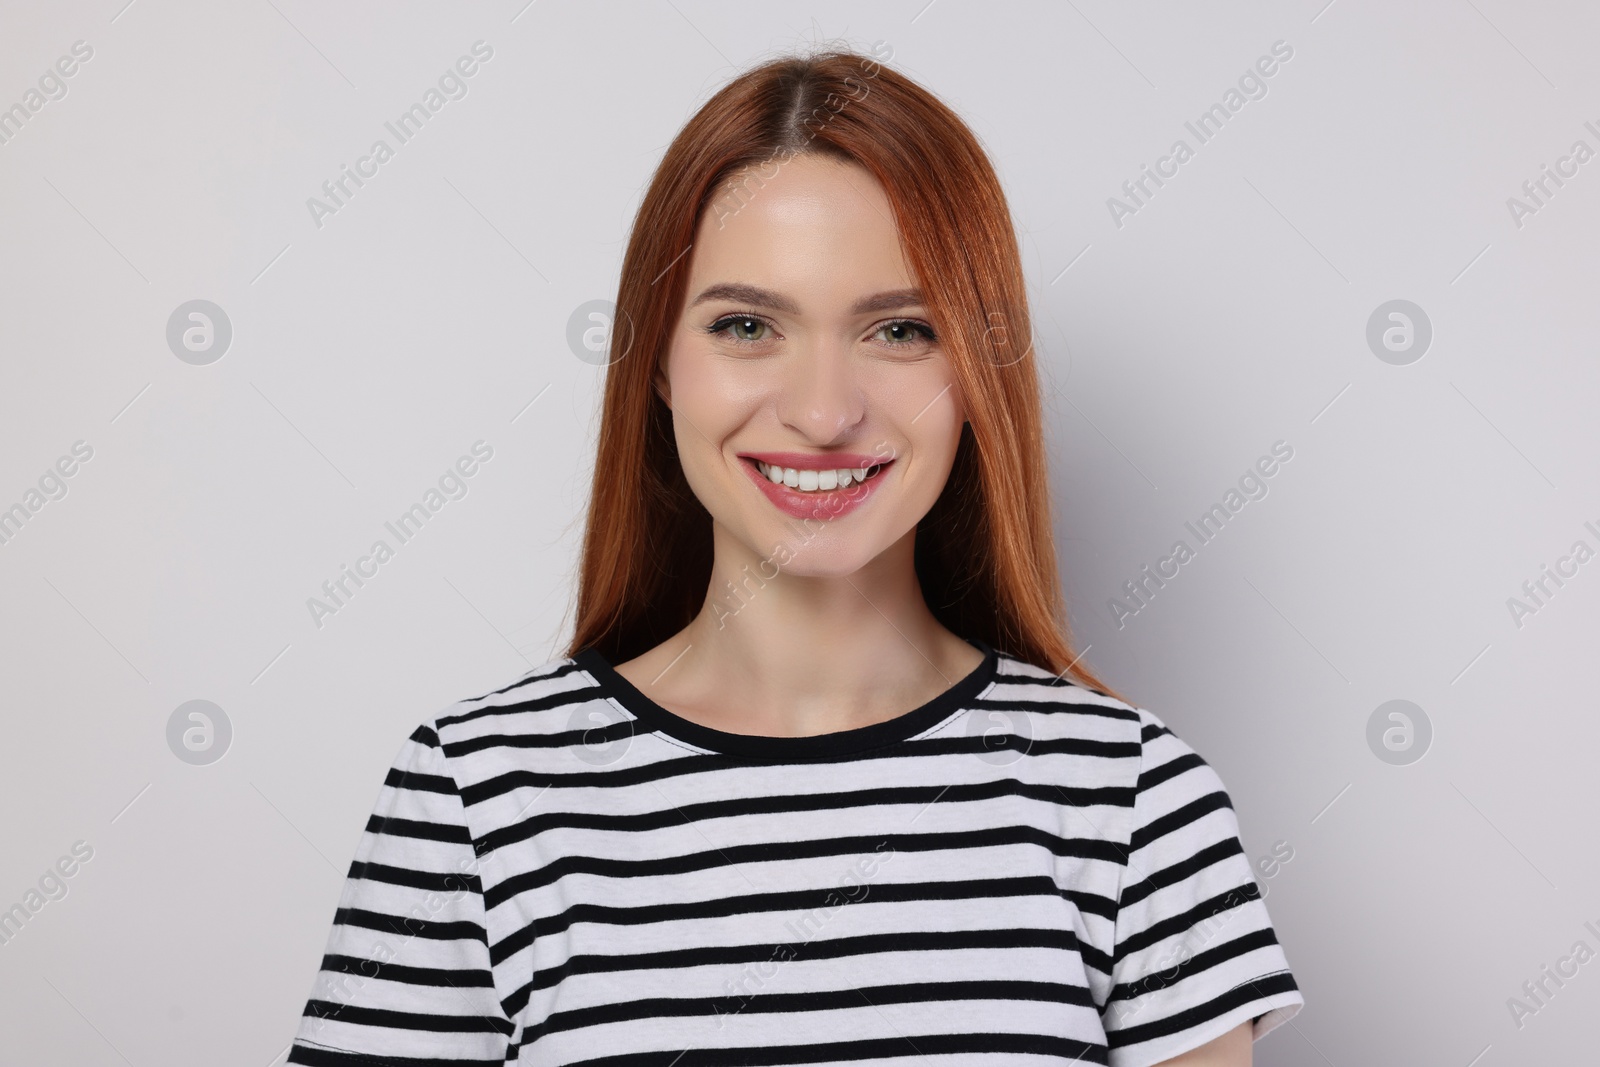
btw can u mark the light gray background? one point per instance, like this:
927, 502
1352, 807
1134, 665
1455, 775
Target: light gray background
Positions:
431, 311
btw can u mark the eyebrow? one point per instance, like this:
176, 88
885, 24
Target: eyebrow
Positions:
766, 298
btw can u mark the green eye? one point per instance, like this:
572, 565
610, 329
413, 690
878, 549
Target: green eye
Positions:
906, 332
746, 328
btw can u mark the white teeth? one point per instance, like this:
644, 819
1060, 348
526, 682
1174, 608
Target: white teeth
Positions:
808, 481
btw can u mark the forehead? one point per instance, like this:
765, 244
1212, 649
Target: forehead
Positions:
808, 226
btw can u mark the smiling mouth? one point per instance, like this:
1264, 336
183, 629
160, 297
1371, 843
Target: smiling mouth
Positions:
816, 481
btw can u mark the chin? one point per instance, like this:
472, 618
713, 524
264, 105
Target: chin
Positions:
830, 551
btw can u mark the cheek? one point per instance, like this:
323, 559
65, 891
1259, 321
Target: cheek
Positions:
928, 410
713, 396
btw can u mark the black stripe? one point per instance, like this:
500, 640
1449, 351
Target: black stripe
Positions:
406, 926
1169, 770
828, 1000
1175, 925
454, 833
534, 704
323, 1056
1156, 829
1054, 707
1182, 869
442, 977
1059, 681
784, 900
1199, 961
565, 667
1151, 731
929, 748
1244, 993
788, 850
426, 1022
818, 949
410, 877
789, 803
919, 1045
1063, 940
421, 782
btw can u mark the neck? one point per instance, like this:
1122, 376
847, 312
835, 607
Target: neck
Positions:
781, 654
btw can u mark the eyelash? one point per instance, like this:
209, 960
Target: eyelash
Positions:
727, 320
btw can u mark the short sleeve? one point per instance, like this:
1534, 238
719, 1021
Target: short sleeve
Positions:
1195, 951
406, 977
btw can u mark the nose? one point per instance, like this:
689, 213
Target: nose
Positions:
819, 396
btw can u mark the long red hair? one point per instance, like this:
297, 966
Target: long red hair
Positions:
984, 553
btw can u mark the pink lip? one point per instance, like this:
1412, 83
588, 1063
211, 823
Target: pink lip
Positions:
816, 461
822, 504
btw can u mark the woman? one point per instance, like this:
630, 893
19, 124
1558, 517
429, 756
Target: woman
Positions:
820, 779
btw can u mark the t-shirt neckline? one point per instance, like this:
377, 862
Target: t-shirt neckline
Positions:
908, 724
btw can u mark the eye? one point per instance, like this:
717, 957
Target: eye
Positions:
742, 328
906, 333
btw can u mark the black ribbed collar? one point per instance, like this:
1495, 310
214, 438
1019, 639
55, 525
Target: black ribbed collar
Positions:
654, 717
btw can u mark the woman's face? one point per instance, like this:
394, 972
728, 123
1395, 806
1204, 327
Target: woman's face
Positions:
803, 357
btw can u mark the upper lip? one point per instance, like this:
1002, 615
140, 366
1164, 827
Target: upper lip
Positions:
817, 461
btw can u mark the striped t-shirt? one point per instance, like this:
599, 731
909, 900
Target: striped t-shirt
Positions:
564, 872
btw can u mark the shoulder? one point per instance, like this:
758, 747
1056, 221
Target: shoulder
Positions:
1060, 708
539, 709
1148, 754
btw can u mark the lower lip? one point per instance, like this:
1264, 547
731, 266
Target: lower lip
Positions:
821, 503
